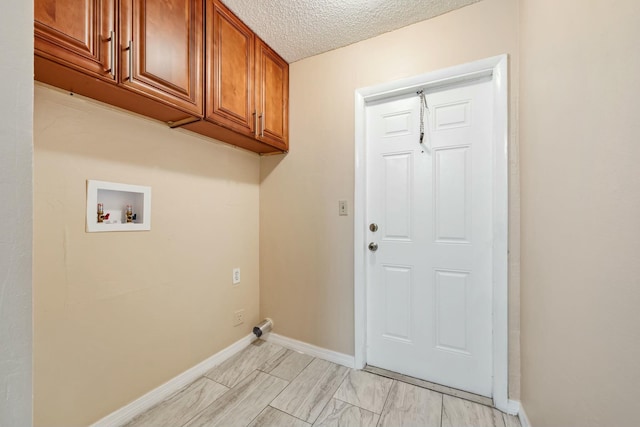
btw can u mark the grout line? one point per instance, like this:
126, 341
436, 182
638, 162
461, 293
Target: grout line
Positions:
240, 379
302, 370
298, 374
305, 367
441, 409
341, 382
281, 391
321, 411
274, 358
351, 404
386, 400
332, 397
203, 409
284, 412
325, 374
254, 418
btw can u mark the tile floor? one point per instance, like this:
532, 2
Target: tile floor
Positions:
268, 385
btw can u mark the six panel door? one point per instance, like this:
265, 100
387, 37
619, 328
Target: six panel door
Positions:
429, 284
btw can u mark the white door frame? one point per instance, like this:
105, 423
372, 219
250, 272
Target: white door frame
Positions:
496, 67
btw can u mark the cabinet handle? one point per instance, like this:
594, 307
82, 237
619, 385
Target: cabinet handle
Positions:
262, 125
255, 123
112, 54
130, 60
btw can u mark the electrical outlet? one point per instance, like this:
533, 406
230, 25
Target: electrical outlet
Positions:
342, 208
236, 276
238, 317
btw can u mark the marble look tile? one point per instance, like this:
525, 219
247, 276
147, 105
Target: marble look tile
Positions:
181, 406
408, 405
431, 386
365, 390
511, 420
310, 391
241, 404
462, 413
236, 368
287, 365
271, 417
341, 414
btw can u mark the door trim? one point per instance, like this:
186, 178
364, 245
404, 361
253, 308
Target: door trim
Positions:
496, 68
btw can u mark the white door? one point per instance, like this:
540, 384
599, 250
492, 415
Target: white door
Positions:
429, 283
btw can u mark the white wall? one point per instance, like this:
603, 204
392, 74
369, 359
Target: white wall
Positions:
16, 110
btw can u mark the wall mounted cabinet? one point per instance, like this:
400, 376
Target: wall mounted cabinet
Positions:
144, 56
272, 97
78, 34
247, 86
230, 71
162, 51
148, 57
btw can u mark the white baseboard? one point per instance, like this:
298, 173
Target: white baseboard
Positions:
513, 407
311, 350
524, 420
157, 395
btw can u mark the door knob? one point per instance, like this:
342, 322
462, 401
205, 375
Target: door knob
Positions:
373, 247
373, 227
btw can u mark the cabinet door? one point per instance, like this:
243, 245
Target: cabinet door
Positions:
230, 43
161, 47
78, 33
272, 94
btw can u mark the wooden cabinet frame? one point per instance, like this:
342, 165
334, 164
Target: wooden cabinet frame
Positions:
131, 54
75, 46
272, 97
247, 86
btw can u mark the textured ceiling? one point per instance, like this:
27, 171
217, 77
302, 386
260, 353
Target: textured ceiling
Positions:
297, 29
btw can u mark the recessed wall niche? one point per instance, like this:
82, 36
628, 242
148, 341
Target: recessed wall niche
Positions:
113, 206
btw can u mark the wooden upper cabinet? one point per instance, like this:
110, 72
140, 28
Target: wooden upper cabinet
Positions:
272, 97
79, 34
230, 76
247, 84
161, 50
148, 56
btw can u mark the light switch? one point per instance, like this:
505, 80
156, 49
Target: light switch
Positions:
342, 208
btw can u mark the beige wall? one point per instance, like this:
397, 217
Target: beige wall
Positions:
306, 249
117, 314
580, 141
16, 195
